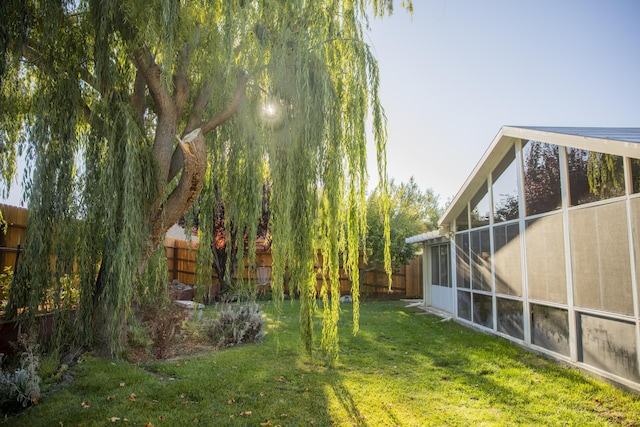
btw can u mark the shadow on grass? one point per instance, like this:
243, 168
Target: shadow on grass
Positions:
400, 369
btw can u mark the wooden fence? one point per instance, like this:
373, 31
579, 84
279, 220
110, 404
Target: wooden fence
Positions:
406, 280
181, 260
12, 235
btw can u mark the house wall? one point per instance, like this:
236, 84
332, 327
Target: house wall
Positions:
546, 254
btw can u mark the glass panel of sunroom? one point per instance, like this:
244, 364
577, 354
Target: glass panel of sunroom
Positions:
510, 318
480, 208
505, 189
541, 177
608, 344
594, 176
483, 310
635, 175
550, 328
464, 305
462, 221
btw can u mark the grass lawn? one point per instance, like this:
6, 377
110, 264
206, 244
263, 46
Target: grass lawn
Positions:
404, 368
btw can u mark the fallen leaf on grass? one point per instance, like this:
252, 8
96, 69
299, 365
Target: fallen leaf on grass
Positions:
161, 417
110, 398
148, 425
231, 401
266, 424
113, 419
122, 384
85, 404
196, 421
132, 397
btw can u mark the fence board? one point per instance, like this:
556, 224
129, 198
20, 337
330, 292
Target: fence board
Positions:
13, 235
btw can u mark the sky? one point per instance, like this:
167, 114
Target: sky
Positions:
457, 71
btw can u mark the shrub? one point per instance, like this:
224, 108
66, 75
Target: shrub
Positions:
23, 385
6, 277
237, 325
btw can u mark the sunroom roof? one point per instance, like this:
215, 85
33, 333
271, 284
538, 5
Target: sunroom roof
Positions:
612, 134
618, 141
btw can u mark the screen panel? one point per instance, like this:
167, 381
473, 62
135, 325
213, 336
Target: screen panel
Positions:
463, 268
481, 260
546, 275
600, 258
507, 259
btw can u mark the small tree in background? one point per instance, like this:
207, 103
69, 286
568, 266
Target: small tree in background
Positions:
412, 211
224, 241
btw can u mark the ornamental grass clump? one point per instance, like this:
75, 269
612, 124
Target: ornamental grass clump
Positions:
237, 325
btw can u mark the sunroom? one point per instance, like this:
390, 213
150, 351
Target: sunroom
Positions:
541, 245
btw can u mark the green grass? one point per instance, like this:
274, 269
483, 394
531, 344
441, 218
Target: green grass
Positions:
403, 368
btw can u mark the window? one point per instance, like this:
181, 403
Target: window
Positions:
594, 176
480, 208
483, 310
550, 328
541, 177
505, 189
464, 305
635, 175
462, 222
440, 265
608, 344
510, 319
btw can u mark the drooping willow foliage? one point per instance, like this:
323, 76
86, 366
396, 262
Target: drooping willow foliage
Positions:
129, 112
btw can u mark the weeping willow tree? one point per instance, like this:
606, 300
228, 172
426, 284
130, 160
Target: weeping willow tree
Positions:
129, 112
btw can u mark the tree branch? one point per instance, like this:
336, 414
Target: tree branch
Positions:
144, 62
199, 106
194, 153
225, 114
180, 81
139, 88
